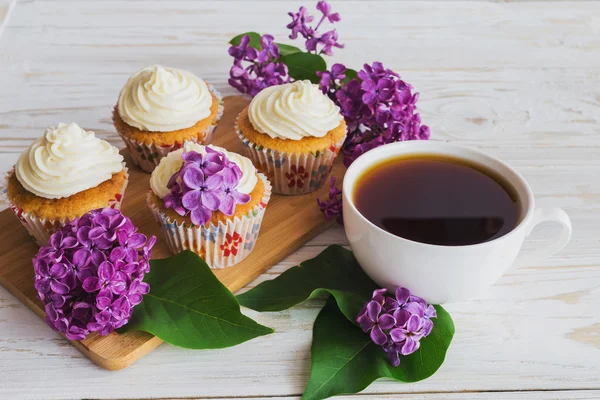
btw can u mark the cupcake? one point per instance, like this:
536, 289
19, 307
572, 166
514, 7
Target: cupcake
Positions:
210, 201
61, 176
160, 108
293, 133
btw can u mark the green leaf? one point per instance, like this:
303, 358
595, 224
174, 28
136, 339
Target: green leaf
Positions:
304, 66
350, 74
254, 39
345, 360
430, 356
286, 49
189, 307
335, 270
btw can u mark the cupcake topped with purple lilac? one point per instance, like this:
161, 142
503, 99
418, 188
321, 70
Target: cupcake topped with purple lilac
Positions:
210, 201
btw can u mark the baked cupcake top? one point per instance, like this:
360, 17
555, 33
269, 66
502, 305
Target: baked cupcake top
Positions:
294, 111
161, 99
173, 162
67, 160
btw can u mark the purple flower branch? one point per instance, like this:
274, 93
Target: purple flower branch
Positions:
326, 41
90, 275
204, 184
397, 324
332, 207
254, 70
379, 108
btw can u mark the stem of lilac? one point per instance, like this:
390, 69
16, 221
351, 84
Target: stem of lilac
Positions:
315, 30
320, 22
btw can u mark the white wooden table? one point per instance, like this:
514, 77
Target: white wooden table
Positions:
519, 80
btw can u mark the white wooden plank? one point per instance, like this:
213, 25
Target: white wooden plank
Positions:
421, 31
514, 108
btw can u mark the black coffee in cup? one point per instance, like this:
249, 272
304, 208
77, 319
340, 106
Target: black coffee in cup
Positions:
437, 200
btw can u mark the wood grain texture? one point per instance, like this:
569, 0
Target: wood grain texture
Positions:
519, 80
289, 222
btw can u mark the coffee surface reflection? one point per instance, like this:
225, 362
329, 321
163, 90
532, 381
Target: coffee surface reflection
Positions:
437, 200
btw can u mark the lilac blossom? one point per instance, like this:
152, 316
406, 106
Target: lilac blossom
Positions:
200, 193
315, 42
204, 184
254, 70
332, 79
299, 21
325, 8
332, 207
374, 322
379, 108
397, 324
230, 197
94, 260
210, 163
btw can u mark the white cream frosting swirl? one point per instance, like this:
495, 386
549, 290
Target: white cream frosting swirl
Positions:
170, 164
293, 111
161, 99
67, 160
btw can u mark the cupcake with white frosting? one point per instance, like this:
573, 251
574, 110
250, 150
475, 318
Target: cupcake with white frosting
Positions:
209, 201
293, 133
160, 108
62, 175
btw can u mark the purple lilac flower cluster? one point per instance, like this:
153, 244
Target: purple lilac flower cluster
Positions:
378, 107
90, 275
397, 324
205, 183
315, 42
332, 81
254, 70
332, 208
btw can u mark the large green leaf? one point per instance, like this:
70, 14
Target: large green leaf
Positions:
286, 49
344, 360
304, 66
254, 39
189, 307
335, 270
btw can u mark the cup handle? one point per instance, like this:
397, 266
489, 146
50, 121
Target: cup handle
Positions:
542, 215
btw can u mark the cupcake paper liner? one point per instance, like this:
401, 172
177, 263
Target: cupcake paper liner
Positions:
292, 173
148, 156
222, 245
42, 228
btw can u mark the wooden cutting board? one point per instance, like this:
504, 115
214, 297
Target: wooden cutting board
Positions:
289, 222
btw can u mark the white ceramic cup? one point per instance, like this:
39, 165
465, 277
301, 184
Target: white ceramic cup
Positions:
441, 274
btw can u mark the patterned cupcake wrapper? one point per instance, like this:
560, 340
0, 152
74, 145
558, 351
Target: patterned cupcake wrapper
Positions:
148, 156
292, 173
42, 228
222, 245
